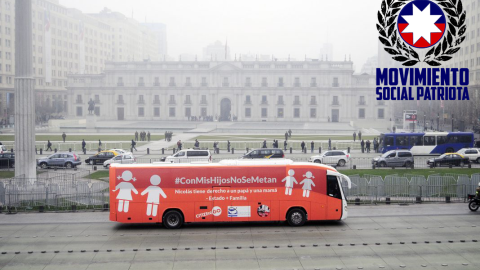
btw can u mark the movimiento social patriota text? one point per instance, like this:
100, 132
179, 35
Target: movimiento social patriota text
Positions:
429, 84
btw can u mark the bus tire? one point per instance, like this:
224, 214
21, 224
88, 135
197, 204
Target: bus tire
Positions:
296, 217
172, 219
450, 150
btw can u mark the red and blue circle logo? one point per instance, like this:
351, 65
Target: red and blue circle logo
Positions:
421, 23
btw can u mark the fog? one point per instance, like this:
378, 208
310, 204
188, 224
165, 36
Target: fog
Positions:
271, 27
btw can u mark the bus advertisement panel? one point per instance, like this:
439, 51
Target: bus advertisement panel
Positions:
221, 192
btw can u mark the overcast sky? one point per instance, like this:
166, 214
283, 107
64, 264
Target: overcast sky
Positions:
269, 27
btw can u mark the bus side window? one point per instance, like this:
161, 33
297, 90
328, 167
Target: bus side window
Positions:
333, 188
441, 140
429, 140
389, 140
416, 140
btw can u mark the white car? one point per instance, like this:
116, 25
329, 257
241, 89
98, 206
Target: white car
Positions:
190, 155
471, 153
121, 159
3, 149
121, 151
331, 157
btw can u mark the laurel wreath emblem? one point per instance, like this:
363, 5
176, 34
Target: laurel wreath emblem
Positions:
443, 51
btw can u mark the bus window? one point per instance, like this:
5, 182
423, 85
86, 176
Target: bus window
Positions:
465, 138
441, 140
333, 188
401, 141
416, 140
429, 140
388, 141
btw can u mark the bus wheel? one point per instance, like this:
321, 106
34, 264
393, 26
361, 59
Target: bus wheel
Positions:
296, 217
172, 219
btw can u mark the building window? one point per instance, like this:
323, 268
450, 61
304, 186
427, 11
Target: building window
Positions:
120, 99
280, 82
97, 99
203, 101
361, 113
296, 100
296, 113
203, 112
171, 112
188, 112
297, 82
264, 100
141, 82
381, 113
156, 111
225, 82
141, 111
248, 100
156, 99
313, 100
79, 111
172, 99
313, 82
188, 100
280, 100
97, 111
280, 112
335, 101
248, 82
264, 112
188, 82
172, 81
264, 82
204, 81
157, 81
79, 99
313, 113
362, 100
141, 100
248, 112
335, 82
120, 81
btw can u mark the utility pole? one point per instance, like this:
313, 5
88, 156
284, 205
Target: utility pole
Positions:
438, 120
452, 124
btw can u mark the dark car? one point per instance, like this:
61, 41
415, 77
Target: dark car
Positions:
449, 159
68, 160
7, 160
265, 153
101, 157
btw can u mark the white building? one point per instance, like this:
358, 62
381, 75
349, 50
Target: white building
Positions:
309, 91
216, 52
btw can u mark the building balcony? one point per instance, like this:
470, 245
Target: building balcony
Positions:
203, 102
120, 84
188, 84
247, 102
264, 102
120, 101
79, 101
204, 84
280, 84
141, 102
97, 101
225, 84
296, 84
264, 84
336, 103
313, 102
335, 85
141, 84
280, 102
188, 102
313, 84
381, 103
171, 84
172, 102
248, 84
156, 102
156, 84
297, 102
362, 103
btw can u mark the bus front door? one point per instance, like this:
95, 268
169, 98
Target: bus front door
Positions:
221, 202
334, 198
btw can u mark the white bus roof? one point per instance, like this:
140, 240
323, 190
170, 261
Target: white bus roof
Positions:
436, 133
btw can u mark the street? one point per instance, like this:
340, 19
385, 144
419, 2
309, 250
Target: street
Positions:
416, 236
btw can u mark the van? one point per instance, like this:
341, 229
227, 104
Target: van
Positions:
189, 155
265, 153
394, 158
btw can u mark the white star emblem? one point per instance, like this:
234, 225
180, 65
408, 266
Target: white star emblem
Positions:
421, 24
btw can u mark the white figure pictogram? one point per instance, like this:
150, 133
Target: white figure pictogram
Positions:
154, 192
289, 182
307, 184
125, 194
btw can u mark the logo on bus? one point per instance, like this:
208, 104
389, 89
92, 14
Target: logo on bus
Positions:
216, 211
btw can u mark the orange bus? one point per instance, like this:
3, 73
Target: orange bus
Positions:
228, 191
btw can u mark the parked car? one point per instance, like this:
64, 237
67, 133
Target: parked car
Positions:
3, 149
122, 159
68, 160
471, 153
265, 153
453, 159
332, 157
189, 155
394, 158
121, 151
7, 160
101, 157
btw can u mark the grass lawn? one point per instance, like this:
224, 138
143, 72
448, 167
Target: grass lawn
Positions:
99, 174
280, 137
424, 172
79, 137
7, 174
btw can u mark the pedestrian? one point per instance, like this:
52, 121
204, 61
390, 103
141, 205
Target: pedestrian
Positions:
165, 136
312, 146
83, 145
99, 144
178, 145
133, 145
228, 146
286, 135
264, 144
375, 145
197, 143
289, 133
368, 146
362, 144
303, 146
354, 136
64, 136
148, 136
329, 144
49, 146
285, 145
136, 135
359, 135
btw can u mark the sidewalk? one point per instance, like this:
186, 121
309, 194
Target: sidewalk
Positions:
165, 144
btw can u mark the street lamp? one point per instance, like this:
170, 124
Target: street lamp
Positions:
452, 123
424, 126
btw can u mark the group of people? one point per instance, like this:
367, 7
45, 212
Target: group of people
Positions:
168, 135
274, 144
144, 136
207, 118
288, 134
359, 136
366, 145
